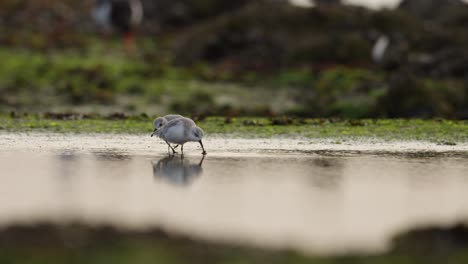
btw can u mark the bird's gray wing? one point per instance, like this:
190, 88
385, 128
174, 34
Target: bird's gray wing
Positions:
172, 117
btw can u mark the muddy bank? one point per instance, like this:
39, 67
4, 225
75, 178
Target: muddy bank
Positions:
78, 243
81, 243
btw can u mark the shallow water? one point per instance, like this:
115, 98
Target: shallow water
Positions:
313, 200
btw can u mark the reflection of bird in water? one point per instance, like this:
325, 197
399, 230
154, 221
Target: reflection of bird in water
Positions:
177, 170
122, 15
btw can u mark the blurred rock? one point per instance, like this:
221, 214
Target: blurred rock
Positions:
447, 62
265, 36
163, 14
429, 8
434, 240
327, 2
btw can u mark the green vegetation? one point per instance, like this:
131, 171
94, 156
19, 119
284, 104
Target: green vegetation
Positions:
441, 131
238, 58
98, 80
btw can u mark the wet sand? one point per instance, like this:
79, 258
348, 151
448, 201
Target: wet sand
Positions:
218, 145
309, 195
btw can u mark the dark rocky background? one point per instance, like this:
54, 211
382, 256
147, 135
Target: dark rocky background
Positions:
323, 55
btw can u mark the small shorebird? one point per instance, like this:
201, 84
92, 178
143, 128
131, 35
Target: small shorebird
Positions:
161, 121
180, 131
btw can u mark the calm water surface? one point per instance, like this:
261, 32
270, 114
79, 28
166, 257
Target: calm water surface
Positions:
317, 203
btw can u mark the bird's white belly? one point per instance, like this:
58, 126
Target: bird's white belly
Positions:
176, 135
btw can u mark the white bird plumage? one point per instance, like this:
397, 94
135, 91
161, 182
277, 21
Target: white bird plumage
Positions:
161, 121
179, 131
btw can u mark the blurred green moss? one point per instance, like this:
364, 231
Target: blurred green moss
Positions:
71, 80
433, 130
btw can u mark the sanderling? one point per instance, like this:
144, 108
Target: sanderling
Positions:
180, 131
161, 121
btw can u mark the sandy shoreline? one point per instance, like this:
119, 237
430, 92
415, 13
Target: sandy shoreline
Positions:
218, 145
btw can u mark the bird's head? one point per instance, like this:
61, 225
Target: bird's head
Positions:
158, 123
196, 134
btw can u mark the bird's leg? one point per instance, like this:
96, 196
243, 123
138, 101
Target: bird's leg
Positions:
182, 149
173, 151
201, 144
176, 146
201, 161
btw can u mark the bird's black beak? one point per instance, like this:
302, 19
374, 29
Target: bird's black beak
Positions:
154, 131
201, 144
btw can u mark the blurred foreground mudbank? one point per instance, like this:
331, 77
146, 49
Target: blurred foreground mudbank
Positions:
79, 243
240, 58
